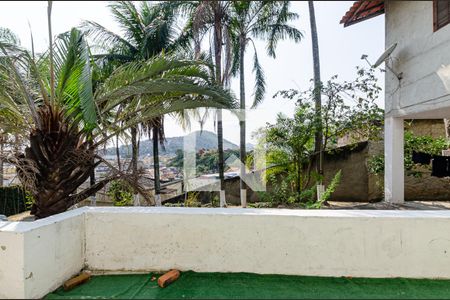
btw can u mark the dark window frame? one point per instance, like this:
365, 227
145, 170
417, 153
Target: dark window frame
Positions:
436, 27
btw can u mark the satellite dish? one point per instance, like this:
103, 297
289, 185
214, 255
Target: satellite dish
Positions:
385, 55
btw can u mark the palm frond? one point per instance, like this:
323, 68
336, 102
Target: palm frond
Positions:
74, 79
7, 36
106, 38
260, 82
13, 74
129, 19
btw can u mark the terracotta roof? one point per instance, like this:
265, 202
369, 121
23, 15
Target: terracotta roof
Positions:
362, 10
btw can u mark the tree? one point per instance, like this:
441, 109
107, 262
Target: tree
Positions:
213, 17
348, 109
257, 19
62, 119
318, 144
147, 31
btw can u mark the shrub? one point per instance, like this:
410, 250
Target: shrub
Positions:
121, 193
192, 200
425, 144
13, 200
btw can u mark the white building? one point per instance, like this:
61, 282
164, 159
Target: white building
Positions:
418, 72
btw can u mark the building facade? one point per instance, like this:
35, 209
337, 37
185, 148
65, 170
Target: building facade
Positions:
417, 72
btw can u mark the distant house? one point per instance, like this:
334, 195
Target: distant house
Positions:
418, 72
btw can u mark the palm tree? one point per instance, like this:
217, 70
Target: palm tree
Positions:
213, 17
148, 31
257, 19
318, 145
67, 121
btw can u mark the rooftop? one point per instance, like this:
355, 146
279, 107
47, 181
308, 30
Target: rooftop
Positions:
362, 10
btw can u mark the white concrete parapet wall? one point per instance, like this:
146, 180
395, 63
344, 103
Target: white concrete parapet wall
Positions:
37, 257
299, 242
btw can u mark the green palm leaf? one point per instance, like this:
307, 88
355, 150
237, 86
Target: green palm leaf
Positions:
74, 80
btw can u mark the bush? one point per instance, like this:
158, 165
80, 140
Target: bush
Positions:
121, 193
425, 144
192, 200
13, 200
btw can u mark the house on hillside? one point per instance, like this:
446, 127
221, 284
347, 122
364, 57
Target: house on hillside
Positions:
417, 75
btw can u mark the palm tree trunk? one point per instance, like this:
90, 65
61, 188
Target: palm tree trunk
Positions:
218, 64
92, 179
317, 91
156, 166
134, 160
118, 153
242, 122
1, 159
92, 175
50, 39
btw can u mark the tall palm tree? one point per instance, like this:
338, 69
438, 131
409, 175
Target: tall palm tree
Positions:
147, 31
64, 117
318, 144
266, 20
212, 17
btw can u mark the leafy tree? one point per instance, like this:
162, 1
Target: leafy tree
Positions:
206, 160
348, 109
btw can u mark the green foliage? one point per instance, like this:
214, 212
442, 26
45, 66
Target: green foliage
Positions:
215, 201
192, 200
207, 161
264, 20
329, 190
348, 109
121, 193
375, 164
425, 144
13, 200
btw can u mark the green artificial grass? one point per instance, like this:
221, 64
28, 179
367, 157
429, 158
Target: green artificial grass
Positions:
193, 285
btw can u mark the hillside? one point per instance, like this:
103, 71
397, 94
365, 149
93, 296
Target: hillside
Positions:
205, 140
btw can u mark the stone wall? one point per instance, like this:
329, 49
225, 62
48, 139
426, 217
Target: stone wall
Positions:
419, 185
430, 127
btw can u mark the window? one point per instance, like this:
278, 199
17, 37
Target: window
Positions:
441, 13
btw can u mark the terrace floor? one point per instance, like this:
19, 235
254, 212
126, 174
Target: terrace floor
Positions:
193, 285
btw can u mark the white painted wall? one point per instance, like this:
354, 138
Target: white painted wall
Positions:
11, 264
37, 257
420, 54
269, 241
320, 243
53, 253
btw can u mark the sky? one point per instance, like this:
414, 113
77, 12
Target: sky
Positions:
340, 51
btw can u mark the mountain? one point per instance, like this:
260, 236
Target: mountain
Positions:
204, 140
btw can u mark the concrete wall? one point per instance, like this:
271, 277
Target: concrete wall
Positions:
419, 55
37, 257
429, 127
314, 242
